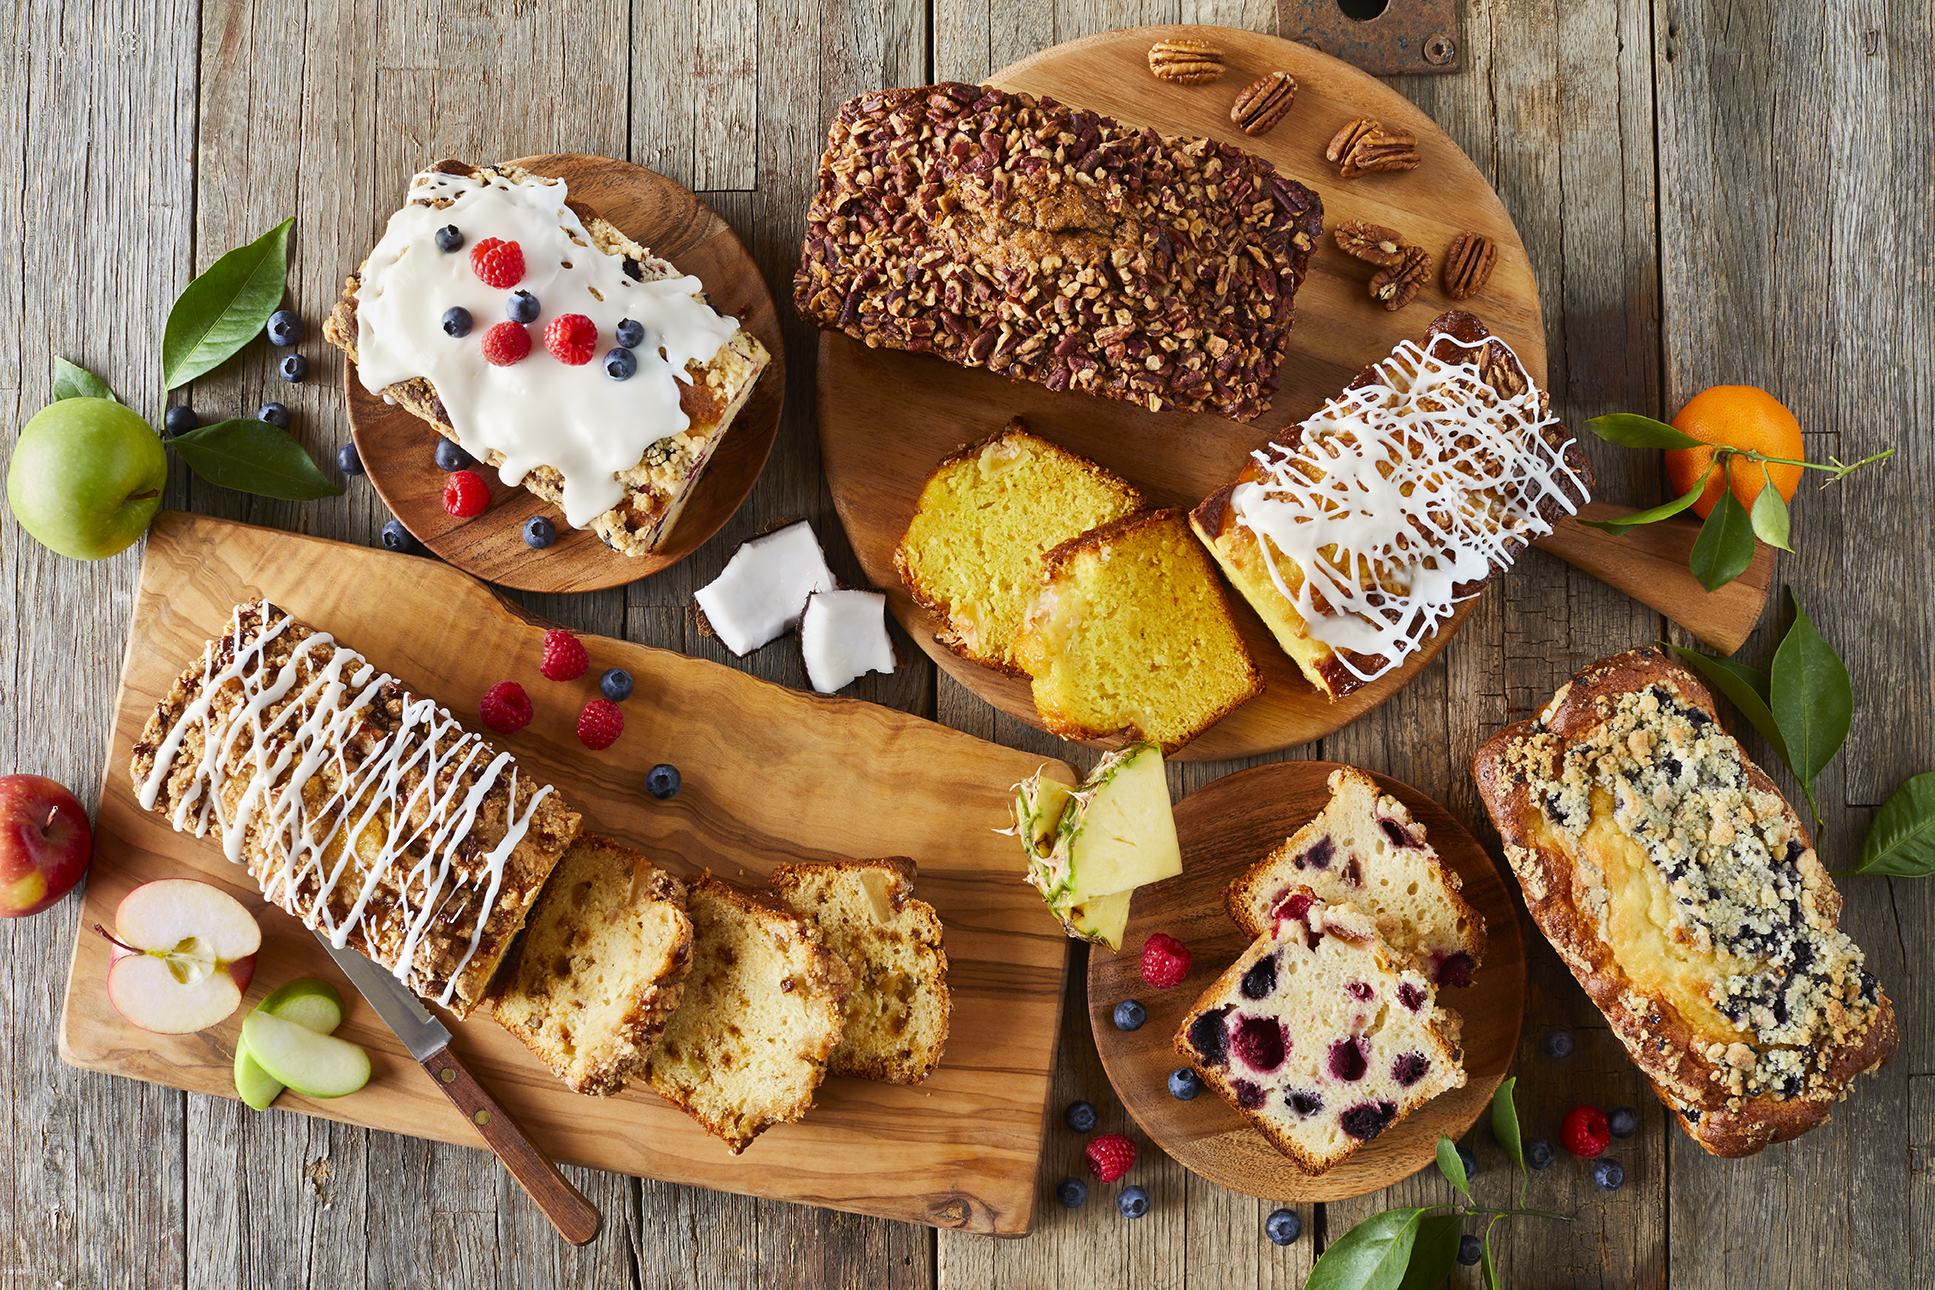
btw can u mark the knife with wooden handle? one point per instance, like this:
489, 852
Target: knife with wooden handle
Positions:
428, 1040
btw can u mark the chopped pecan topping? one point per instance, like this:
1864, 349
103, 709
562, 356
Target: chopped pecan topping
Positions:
1186, 62
1468, 264
1262, 104
1500, 372
1372, 243
1397, 285
1364, 145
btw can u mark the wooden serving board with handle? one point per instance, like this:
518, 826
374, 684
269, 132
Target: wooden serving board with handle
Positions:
771, 775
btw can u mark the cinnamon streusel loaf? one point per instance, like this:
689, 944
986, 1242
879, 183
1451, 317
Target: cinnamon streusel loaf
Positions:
1053, 244
363, 809
1684, 894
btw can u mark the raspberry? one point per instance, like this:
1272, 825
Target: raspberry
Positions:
466, 495
506, 343
573, 338
1165, 961
600, 724
564, 656
498, 263
1585, 1131
1110, 1156
505, 707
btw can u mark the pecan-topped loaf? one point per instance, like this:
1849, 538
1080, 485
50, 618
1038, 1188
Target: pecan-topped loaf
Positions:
1361, 531
607, 400
1684, 894
365, 810
1053, 244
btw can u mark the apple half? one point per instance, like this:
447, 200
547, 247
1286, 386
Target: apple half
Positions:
183, 954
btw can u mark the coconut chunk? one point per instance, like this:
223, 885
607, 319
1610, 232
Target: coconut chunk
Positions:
843, 636
760, 593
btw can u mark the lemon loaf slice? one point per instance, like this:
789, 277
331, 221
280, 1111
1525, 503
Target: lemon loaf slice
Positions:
1130, 636
1365, 849
600, 967
897, 1015
973, 552
762, 1010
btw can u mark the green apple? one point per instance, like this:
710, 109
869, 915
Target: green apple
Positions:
313, 1005
86, 477
311, 1064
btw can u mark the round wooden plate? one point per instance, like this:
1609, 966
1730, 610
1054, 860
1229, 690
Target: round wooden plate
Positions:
1225, 828
886, 416
398, 450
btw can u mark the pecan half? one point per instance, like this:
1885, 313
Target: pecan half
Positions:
1364, 145
1372, 243
1468, 264
1263, 103
1186, 62
1397, 285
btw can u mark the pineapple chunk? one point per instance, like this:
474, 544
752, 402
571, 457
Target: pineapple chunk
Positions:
1100, 920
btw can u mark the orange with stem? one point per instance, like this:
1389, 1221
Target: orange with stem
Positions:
1744, 418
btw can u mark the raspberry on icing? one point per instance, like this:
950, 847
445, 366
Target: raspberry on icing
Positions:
506, 343
573, 338
498, 263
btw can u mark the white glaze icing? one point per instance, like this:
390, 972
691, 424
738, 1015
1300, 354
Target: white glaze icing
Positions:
538, 411
1418, 481
418, 766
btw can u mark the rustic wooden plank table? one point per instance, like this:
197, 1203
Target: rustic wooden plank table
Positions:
1710, 192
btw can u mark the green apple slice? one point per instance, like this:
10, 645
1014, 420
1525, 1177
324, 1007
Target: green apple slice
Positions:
311, 1064
257, 1087
1113, 833
310, 1003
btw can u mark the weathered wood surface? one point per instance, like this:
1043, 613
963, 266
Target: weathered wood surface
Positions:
1709, 192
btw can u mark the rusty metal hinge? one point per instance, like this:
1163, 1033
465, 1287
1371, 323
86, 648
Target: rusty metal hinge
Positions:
1385, 37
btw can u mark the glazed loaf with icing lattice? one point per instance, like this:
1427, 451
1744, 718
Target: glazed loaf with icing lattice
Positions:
362, 808
1683, 892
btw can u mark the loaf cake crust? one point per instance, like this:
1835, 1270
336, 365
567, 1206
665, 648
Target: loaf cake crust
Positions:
1052, 244
1685, 895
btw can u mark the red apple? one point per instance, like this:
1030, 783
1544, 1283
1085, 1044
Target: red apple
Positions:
184, 952
45, 843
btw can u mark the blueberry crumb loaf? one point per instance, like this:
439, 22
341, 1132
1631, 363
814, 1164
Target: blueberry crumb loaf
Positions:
1684, 893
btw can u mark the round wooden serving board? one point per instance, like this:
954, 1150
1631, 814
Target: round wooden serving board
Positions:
398, 450
886, 416
1225, 828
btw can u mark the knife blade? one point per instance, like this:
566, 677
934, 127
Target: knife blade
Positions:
428, 1041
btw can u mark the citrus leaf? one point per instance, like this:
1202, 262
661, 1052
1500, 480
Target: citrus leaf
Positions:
1657, 513
1746, 688
224, 308
1635, 431
1371, 1256
253, 457
72, 381
1902, 838
1811, 698
1491, 1272
1435, 1252
1769, 514
1451, 1166
1725, 546
1505, 1123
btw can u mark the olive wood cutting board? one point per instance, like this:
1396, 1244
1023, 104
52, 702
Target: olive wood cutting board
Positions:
771, 775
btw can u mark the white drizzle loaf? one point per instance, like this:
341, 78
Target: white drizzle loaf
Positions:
365, 810
1683, 892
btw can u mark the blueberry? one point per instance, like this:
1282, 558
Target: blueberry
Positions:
1133, 1201
1623, 1121
631, 333
450, 238
616, 684
348, 460
1080, 1116
521, 307
1469, 1161
450, 456
621, 365
1538, 1153
1558, 1043
456, 321
179, 420
662, 781
398, 538
1073, 1192
1283, 1226
285, 327
1129, 1015
539, 532
275, 414
1608, 1175
1184, 1083
293, 368
1470, 1249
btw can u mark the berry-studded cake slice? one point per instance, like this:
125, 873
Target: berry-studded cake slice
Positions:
1319, 1037
1364, 849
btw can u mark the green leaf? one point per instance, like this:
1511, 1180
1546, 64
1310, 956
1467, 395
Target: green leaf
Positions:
1812, 699
1769, 514
225, 307
1451, 1166
1902, 838
1490, 1269
253, 457
1371, 1256
1657, 513
1505, 1123
1746, 688
1725, 546
72, 381
1635, 431
1435, 1253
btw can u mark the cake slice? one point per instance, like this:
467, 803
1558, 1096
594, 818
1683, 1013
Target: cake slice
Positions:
1130, 636
986, 515
600, 967
763, 1007
897, 1016
364, 809
1321, 1038
1364, 849
1358, 534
